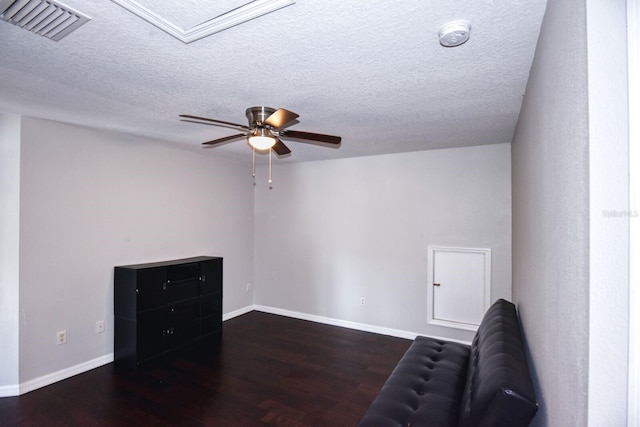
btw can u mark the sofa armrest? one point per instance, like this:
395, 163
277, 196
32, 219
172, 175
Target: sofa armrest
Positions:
499, 391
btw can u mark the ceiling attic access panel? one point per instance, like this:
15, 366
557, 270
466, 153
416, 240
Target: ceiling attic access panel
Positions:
191, 21
459, 287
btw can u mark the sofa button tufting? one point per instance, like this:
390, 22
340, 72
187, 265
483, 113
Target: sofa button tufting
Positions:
448, 377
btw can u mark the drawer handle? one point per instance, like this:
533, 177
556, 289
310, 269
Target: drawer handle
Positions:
436, 284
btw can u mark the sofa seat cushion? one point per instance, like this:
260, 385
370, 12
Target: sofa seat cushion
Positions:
425, 388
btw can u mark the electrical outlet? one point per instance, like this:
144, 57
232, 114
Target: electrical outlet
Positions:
99, 326
61, 337
249, 287
362, 301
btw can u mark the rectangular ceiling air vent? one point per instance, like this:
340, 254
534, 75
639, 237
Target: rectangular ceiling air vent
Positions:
43, 17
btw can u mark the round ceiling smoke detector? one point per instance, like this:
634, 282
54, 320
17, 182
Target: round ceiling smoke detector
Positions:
454, 33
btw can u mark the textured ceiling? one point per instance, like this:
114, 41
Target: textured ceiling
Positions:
372, 72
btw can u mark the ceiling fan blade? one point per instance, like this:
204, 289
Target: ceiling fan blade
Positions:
280, 118
280, 148
297, 134
213, 121
225, 139
200, 123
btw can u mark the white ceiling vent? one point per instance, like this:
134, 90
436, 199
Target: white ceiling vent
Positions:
46, 18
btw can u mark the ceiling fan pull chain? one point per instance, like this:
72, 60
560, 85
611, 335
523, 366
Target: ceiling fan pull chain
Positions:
270, 180
254, 166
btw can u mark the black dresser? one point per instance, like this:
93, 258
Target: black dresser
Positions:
165, 306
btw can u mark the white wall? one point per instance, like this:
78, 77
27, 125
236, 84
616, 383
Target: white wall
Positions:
91, 200
633, 49
332, 231
609, 263
9, 243
568, 164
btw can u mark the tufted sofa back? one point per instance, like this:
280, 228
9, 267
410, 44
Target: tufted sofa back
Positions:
446, 384
498, 391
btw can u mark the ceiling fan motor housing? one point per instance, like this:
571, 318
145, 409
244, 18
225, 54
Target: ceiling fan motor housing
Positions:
257, 115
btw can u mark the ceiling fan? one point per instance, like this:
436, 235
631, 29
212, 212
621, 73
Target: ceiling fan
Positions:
266, 126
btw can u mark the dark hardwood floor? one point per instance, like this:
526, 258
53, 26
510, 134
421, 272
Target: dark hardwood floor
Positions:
269, 370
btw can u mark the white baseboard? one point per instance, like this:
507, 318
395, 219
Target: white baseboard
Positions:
9, 390
45, 380
238, 312
348, 324
337, 322
63, 374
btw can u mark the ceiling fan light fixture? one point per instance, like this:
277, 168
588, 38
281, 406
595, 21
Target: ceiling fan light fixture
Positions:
262, 139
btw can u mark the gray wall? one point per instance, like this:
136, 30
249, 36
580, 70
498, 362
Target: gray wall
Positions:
326, 234
89, 200
332, 231
92, 199
564, 178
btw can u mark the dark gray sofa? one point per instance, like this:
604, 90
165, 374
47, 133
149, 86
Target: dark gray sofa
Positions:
440, 384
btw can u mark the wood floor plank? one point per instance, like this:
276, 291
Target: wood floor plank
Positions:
268, 371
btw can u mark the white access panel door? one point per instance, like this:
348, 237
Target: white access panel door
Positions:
459, 285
